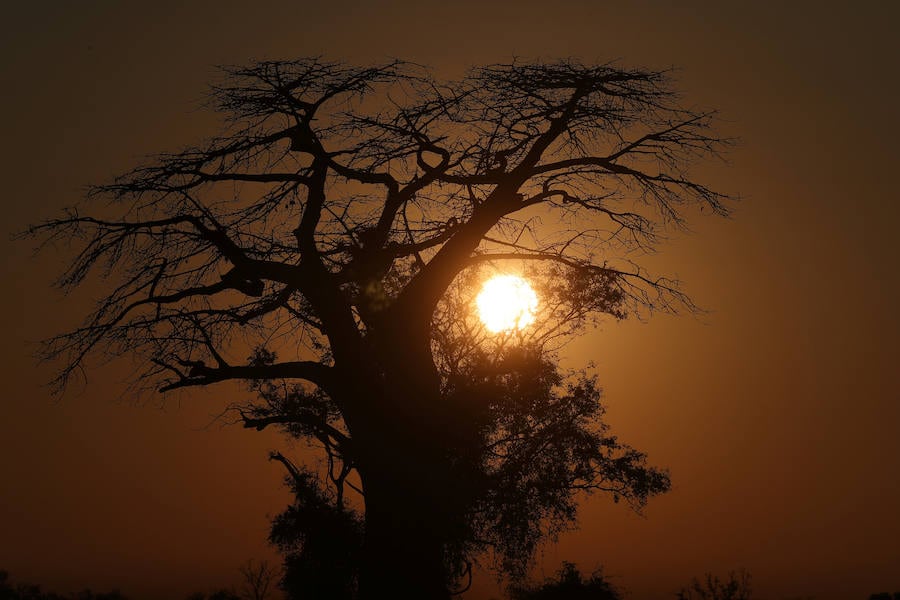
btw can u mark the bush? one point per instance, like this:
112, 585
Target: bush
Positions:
569, 584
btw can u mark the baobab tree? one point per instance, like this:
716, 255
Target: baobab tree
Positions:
326, 249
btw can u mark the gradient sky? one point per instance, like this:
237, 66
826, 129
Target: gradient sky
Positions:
778, 413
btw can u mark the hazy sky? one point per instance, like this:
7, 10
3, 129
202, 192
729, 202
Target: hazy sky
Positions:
778, 413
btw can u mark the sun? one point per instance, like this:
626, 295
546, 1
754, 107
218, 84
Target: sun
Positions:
506, 302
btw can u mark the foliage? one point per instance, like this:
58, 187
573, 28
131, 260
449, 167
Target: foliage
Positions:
320, 539
541, 440
537, 439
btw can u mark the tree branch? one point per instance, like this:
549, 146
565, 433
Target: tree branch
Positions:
200, 374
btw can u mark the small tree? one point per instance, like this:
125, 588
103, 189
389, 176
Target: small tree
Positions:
258, 579
735, 587
333, 234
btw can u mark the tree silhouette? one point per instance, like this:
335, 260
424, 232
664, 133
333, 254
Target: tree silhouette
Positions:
334, 234
258, 579
735, 587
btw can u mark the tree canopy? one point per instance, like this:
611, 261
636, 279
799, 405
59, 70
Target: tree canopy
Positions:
325, 249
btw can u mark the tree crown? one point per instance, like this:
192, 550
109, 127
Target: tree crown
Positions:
340, 195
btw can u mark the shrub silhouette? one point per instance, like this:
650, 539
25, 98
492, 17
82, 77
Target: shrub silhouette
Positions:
220, 594
28, 591
569, 584
321, 542
735, 587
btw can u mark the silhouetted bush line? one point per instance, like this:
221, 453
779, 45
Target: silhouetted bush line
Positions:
223, 594
27, 591
568, 584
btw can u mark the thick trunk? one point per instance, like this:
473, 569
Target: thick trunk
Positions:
407, 520
403, 464
404, 437
403, 551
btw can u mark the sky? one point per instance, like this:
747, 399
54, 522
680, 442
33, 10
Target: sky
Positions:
776, 412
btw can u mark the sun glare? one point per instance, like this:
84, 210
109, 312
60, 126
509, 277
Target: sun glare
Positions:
506, 302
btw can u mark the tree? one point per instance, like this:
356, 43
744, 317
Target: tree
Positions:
735, 587
258, 578
332, 234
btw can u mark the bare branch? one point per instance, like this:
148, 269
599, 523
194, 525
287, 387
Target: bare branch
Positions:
199, 374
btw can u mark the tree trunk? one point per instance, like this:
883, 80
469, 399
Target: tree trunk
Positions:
403, 465
403, 550
408, 521
405, 478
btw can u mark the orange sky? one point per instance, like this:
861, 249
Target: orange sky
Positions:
777, 413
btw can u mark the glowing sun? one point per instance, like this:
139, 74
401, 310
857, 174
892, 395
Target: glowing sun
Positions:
506, 302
